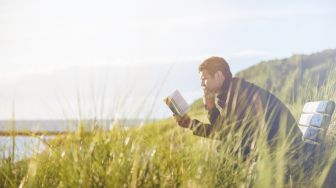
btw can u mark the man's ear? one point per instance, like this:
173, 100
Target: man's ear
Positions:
219, 76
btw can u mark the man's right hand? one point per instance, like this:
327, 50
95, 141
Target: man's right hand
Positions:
183, 121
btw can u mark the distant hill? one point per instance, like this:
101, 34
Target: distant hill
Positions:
294, 80
287, 77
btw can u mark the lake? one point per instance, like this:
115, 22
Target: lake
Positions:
26, 146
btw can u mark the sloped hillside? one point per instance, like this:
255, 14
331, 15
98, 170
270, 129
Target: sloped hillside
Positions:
292, 78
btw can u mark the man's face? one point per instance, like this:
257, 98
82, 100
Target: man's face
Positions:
211, 83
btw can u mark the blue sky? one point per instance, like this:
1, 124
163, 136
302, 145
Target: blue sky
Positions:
45, 37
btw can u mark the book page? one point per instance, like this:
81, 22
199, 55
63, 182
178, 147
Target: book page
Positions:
177, 103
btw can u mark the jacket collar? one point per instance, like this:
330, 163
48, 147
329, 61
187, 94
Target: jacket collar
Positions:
222, 93
224, 88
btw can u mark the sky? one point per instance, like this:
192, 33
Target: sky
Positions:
44, 37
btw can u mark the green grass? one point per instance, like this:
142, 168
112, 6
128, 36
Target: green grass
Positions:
159, 154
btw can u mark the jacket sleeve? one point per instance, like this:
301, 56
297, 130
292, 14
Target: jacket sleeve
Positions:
204, 129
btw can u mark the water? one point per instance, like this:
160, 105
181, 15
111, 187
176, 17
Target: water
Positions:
26, 146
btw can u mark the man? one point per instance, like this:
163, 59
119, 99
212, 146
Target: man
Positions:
237, 106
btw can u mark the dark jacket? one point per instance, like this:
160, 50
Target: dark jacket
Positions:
243, 106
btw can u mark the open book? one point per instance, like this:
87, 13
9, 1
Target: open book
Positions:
177, 103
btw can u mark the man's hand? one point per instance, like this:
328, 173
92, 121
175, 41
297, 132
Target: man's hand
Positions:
183, 121
208, 99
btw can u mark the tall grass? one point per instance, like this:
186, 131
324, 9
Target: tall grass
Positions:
156, 155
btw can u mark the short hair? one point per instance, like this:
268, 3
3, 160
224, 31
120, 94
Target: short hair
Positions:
214, 64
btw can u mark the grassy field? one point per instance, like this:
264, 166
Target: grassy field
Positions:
159, 154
